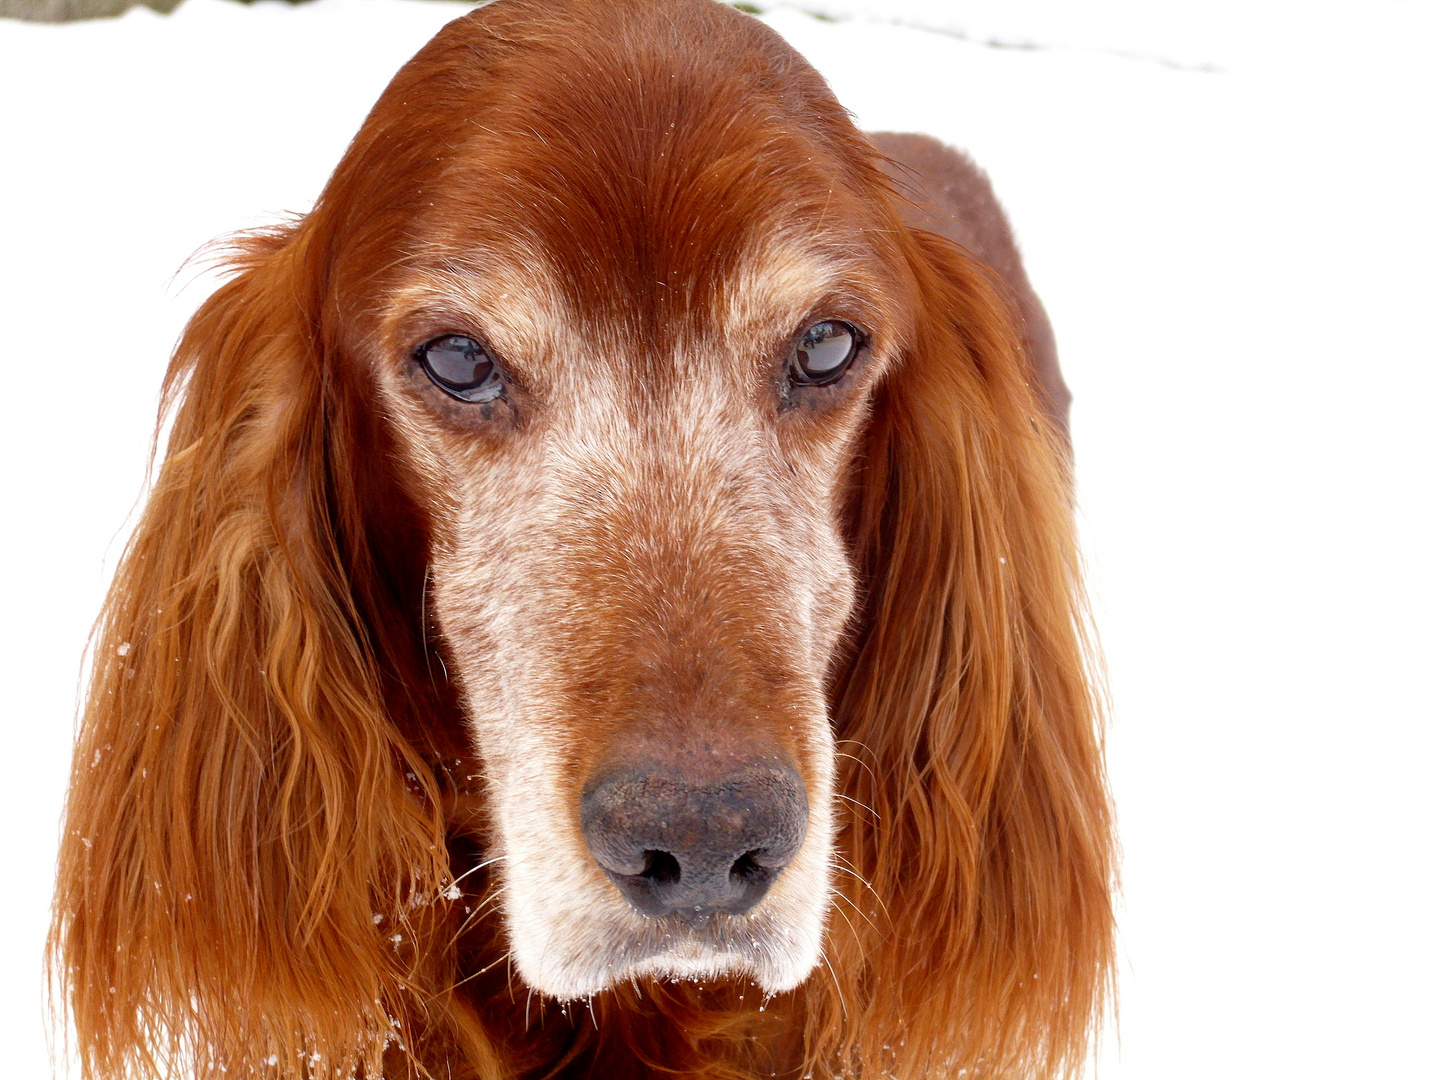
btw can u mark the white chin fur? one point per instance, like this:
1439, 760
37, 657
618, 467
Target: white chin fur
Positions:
775, 958
573, 935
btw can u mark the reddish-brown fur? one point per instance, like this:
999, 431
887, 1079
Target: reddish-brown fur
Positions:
275, 852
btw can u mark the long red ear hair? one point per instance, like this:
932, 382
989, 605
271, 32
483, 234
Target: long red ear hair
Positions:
245, 869
973, 929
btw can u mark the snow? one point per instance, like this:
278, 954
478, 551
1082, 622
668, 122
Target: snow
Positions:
1230, 212
1213, 35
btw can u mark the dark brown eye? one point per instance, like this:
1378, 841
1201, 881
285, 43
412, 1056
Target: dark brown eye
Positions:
462, 367
824, 352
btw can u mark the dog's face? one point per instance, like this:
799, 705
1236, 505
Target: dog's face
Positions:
629, 325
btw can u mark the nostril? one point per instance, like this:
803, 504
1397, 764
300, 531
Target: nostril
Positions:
746, 870
661, 867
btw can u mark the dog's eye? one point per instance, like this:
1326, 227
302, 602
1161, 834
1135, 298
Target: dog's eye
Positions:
824, 352
462, 367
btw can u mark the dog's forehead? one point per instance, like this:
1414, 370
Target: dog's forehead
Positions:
654, 180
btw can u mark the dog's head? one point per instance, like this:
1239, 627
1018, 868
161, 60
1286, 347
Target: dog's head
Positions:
624, 293
605, 396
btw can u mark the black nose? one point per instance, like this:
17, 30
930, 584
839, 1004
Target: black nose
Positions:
672, 843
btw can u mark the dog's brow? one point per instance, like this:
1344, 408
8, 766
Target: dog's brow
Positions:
785, 281
512, 301
518, 298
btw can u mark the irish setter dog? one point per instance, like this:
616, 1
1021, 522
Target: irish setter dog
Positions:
608, 607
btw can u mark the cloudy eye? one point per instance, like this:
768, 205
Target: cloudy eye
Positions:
462, 367
824, 352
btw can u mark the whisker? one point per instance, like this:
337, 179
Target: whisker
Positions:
837, 862
424, 623
478, 866
839, 991
856, 742
476, 974
860, 804
834, 895
482, 908
837, 895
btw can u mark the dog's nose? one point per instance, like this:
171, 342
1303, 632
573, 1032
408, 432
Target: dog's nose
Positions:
673, 843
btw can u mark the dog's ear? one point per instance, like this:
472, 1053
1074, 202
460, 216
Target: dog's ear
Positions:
977, 826
251, 844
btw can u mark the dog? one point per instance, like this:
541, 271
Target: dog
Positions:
608, 606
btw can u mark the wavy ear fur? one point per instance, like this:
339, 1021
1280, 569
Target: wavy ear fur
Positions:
244, 870
974, 930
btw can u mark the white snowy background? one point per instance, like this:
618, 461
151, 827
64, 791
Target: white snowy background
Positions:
1230, 211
